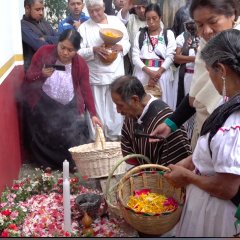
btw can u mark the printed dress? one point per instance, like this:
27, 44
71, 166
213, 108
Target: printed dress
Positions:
204, 215
147, 56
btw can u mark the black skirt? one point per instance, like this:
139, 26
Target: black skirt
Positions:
54, 128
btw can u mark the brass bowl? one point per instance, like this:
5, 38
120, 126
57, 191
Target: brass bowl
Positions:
110, 36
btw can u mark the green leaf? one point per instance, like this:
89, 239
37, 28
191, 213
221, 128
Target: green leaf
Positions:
55, 11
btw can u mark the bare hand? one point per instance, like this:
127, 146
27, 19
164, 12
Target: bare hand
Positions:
153, 74
101, 50
152, 82
76, 24
42, 39
96, 121
186, 163
117, 47
178, 177
162, 130
47, 72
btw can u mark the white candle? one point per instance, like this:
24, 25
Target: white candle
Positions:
65, 170
67, 206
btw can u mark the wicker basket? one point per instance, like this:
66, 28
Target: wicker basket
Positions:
95, 160
111, 193
139, 178
156, 91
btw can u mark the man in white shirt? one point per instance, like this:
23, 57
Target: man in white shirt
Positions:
101, 74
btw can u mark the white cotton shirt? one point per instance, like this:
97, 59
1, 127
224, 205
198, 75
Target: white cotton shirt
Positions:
133, 24
59, 86
166, 81
146, 108
166, 52
100, 73
225, 147
204, 215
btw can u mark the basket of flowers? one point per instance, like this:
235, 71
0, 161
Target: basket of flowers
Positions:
147, 201
111, 191
95, 160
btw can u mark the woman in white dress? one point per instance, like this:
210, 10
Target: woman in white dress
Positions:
212, 175
153, 59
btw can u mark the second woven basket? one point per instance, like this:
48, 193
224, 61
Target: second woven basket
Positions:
95, 160
149, 176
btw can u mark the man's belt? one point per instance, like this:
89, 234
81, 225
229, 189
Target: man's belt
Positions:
189, 71
152, 62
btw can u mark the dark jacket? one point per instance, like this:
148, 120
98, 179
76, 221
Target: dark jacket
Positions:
32, 31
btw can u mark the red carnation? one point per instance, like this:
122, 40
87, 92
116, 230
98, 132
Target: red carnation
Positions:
16, 187
12, 227
5, 234
6, 212
67, 234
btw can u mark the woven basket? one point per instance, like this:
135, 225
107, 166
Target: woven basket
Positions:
156, 91
95, 160
139, 178
111, 193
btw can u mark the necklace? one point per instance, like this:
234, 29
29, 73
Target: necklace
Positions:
152, 42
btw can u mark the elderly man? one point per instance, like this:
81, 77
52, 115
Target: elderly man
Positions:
76, 17
102, 74
143, 113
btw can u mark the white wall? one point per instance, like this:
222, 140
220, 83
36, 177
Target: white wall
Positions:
11, 12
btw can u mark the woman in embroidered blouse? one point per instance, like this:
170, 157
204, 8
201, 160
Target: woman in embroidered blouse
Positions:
213, 187
152, 62
57, 101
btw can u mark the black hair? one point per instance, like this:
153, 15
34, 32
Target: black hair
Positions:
73, 36
127, 86
223, 48
227, 8
31, 2
154, 7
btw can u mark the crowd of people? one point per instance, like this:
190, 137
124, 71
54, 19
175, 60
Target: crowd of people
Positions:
193, 127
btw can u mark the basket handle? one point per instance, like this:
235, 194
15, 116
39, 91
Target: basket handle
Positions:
100, 141
118, 164
141, 167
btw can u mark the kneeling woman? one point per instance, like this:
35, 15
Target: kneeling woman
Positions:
57, 98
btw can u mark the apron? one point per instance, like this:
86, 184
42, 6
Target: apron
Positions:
55, 128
